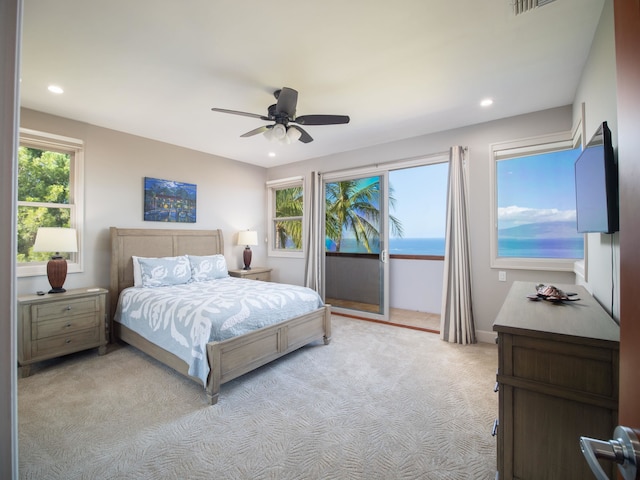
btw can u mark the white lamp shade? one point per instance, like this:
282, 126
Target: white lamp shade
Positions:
277, 133
248, 237
293, 134
55, 239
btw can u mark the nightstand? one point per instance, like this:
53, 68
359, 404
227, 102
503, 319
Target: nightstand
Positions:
256, 273
53, 325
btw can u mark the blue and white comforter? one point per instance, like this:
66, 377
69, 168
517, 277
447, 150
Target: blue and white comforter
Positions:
184, 318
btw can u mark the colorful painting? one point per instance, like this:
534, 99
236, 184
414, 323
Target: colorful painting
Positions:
168, 201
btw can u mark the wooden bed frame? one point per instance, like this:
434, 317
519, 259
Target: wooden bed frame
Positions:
227, 359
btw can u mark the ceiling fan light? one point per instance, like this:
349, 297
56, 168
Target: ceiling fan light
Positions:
279, 131
293, 134
269, 135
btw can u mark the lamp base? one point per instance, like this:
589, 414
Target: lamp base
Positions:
246, 257
57, 273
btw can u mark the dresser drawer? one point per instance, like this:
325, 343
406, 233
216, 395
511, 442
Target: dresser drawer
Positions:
63, 326
63, 344
580, 368
63, 309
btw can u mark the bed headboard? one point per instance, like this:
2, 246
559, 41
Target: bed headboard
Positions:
141, 242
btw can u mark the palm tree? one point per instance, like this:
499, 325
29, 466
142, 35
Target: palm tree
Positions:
289, 206
353, 205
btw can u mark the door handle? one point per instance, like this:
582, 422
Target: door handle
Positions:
624, 450
383, 256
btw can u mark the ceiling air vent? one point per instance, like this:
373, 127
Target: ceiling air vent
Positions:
522, 6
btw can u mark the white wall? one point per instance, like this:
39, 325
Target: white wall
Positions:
406, 293
230, 194
597, 90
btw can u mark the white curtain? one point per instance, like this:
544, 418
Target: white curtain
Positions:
456, 324
313, 233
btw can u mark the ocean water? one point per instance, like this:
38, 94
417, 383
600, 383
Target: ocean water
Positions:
397, 246
541, 247
507, 247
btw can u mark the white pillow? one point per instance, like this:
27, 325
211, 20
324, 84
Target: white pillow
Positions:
137, 275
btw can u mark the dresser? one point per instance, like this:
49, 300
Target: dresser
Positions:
53, 325
557, 380
256, 273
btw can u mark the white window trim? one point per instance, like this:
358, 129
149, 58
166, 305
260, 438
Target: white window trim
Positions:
273, 185
52, 141
513, 149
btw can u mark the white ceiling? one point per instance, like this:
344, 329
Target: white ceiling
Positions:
398, 69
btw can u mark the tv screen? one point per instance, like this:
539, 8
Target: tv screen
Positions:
596, 175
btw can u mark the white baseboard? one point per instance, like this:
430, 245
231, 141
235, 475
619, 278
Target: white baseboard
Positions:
486, 337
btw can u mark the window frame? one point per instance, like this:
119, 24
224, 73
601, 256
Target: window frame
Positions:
282, 184
74, 147
520, 148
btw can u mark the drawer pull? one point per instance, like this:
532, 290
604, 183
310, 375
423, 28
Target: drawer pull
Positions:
68, 325
68, 307
67, 340
494, 430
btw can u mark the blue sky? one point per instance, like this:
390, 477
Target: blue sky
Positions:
536, 189
421, 199
531, 189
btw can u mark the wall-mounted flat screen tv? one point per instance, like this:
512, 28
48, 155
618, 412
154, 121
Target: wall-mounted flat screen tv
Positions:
596, 174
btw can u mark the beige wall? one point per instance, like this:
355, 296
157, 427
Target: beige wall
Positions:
230, 194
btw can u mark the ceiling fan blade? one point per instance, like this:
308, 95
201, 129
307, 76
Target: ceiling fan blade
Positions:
321, 119
244, 114
256, 131
287, 101
305, 137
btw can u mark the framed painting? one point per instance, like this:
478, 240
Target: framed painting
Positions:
169, 201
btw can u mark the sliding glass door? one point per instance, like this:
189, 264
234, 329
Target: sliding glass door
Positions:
356, 251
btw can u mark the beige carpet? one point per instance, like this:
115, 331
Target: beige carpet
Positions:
379, 402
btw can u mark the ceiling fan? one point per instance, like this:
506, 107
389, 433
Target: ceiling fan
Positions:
283, 112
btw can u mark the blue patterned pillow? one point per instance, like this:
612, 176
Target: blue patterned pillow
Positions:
159, 272
208, 267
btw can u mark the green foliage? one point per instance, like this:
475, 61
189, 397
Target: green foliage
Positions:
353, 205
43, 178
289, 203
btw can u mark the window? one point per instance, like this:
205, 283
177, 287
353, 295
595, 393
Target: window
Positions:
49, 195
534, 210
286, 207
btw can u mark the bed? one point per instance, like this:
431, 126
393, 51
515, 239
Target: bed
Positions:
226, 359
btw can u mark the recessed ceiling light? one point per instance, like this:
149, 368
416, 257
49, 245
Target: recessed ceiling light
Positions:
55, 89
486, 102
272, 154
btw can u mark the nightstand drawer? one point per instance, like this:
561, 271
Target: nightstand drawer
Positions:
63, 326
265, 276
66, 343
257, 273
67, 308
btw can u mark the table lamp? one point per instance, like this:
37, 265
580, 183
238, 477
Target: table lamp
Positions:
247, 238
55, 239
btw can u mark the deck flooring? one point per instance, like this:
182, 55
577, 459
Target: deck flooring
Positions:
404, 318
